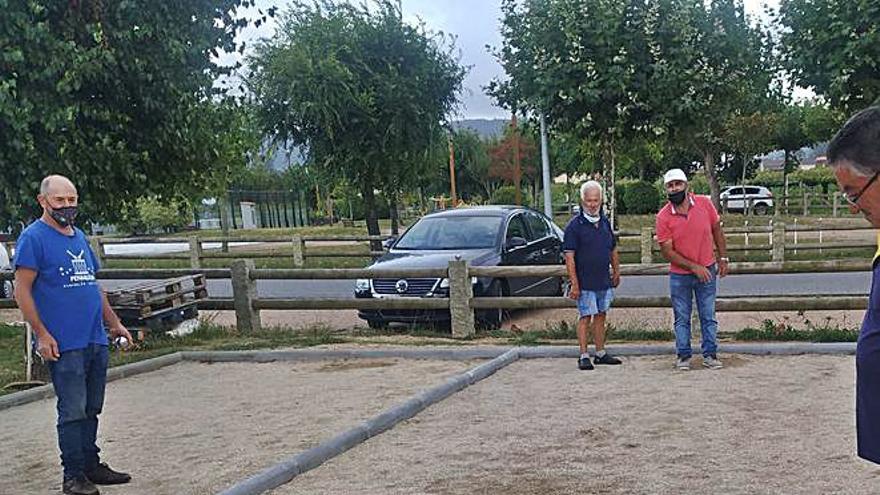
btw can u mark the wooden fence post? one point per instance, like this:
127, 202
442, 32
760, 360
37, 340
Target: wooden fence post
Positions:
98, 248
806, 203
460, 293
195, 253
299, 248
835, 204
244, 291
647, 245
778, 242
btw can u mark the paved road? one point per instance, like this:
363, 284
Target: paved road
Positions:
734, 285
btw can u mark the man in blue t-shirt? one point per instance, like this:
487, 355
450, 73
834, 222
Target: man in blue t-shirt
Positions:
590, 249
57, 293
854, 154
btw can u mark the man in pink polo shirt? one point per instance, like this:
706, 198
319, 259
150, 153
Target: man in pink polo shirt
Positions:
689, 232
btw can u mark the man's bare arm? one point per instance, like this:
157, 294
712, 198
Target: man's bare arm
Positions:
676, 258
24, 282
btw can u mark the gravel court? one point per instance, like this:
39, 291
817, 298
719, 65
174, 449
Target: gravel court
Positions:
774, 425
195, 428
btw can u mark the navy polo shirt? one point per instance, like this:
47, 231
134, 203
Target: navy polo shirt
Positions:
868, 376
592, 244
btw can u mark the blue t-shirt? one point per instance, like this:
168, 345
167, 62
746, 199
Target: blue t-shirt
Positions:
67, 296
592, 244
868, 376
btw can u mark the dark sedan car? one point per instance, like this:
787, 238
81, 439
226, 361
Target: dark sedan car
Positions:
484, 236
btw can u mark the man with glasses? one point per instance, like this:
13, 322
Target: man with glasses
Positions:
854, 154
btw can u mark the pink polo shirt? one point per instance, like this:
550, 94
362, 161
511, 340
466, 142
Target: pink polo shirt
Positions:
691, 234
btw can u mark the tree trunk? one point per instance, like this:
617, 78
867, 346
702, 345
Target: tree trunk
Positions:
372, 218
709, 166
392, 210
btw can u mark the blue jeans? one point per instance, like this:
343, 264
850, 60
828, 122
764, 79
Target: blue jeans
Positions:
683, 289
79, 377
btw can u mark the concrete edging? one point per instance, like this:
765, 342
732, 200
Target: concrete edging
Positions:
288, 469
483, 352
761, 349
475, 375
115, 373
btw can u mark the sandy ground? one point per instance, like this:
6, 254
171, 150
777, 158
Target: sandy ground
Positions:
196, 428
763, 425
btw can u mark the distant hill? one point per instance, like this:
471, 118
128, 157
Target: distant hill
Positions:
486, 128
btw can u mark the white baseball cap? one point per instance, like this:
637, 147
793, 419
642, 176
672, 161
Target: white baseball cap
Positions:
674, 174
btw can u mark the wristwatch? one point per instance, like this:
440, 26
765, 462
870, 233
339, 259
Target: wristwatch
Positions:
724, 259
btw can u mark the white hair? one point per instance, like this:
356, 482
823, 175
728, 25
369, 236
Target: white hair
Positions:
591, 184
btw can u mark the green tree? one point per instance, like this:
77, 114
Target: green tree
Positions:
749, 135
366, 93
715, 64
832, 47
116, 95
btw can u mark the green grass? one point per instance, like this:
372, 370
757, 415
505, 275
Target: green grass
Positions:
783, 331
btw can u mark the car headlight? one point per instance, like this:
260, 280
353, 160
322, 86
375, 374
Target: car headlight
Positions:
362, 285
444, 283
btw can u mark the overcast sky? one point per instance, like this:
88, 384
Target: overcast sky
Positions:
475, 24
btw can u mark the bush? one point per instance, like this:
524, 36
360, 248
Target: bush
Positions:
818, 176
150, 214
768, 178
506, 195
639, 198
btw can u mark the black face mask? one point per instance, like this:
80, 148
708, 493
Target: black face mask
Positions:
677, 198
65, 216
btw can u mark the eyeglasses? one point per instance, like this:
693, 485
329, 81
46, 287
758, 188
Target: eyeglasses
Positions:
854, 199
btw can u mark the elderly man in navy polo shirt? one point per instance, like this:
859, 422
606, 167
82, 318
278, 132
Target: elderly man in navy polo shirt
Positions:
590, 250
854, 154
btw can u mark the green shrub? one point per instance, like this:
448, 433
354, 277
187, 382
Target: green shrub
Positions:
506, 195
640, 198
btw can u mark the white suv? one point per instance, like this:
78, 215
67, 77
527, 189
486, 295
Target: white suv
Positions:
5, 267
758, 198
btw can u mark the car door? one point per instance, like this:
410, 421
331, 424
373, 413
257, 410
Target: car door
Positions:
520, 255
735, 199
545, 251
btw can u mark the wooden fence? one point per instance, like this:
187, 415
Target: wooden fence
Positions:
461, 302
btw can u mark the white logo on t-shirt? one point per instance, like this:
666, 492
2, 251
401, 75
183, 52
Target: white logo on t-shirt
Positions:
79, 272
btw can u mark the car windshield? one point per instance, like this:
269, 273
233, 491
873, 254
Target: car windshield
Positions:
452, 232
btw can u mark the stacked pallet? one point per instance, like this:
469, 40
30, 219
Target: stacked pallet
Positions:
159, 305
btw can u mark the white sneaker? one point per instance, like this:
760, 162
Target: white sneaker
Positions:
712, 362
683, 364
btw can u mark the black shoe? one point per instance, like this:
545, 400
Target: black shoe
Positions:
103, 475
79, 486
585, 364
607, 359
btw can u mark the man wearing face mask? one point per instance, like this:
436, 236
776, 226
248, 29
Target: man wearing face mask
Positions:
58, 296
689, 233
590, 249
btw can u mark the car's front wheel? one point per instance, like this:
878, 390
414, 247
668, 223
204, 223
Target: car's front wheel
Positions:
491, 319
761, 209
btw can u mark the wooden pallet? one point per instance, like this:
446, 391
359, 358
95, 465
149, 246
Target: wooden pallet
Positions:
149, 299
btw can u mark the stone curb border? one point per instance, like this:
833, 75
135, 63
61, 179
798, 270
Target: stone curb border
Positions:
483, 352
115, 373
288, 469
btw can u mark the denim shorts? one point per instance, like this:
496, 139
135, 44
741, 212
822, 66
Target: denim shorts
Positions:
592, 302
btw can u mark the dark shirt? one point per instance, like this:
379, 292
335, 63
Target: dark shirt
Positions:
592, 244
868, 376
